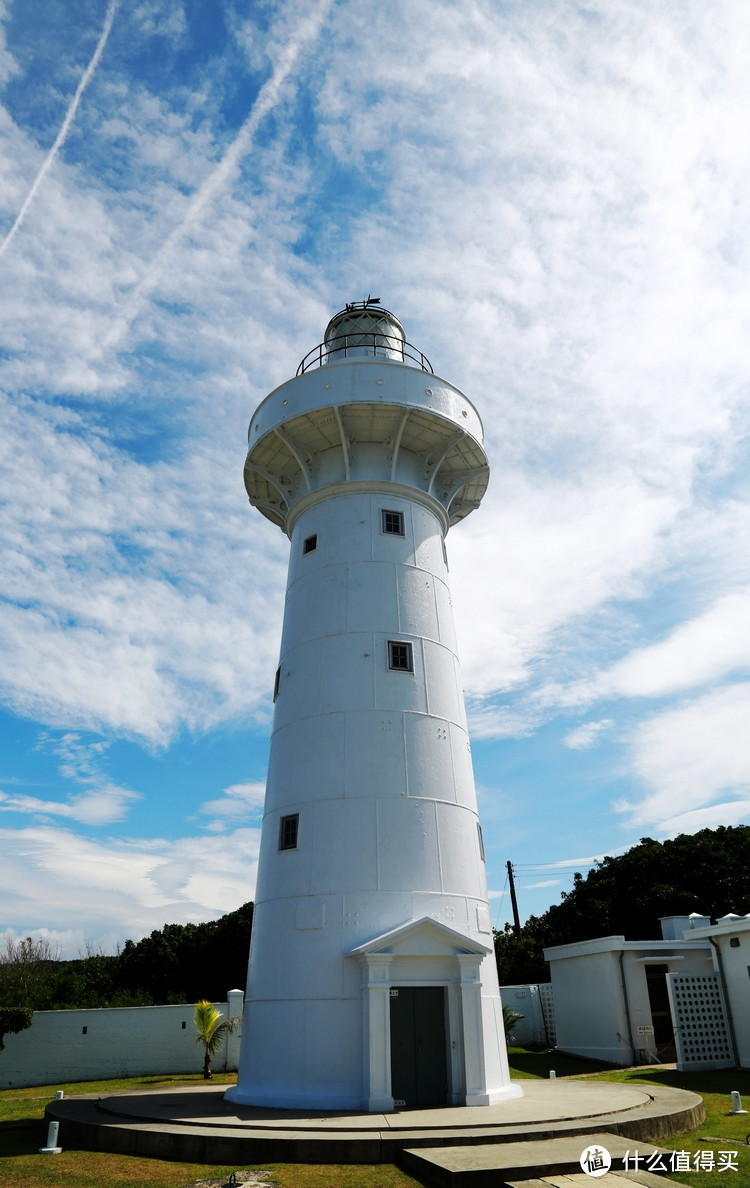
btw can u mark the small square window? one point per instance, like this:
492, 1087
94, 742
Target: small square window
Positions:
392, 522
400, 656
276, 683
288, 827
311, 543
480, 835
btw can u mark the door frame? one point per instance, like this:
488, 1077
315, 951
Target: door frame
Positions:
441, 1033
423, 953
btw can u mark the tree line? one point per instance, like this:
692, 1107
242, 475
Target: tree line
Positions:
178, 963
706, 872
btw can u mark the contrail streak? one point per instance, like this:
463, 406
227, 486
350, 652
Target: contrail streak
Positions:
69, 117
268, 97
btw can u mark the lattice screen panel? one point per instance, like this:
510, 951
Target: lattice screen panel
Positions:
548, 1012
699, 1021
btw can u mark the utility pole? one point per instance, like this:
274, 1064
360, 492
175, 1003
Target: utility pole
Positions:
514, 902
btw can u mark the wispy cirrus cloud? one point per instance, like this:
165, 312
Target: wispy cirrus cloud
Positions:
64, 127
101, 802
554, 201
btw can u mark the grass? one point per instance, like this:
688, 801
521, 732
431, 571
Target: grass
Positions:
722, 1130
22, 1132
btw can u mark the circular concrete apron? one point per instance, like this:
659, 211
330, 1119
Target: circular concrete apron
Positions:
196, 1123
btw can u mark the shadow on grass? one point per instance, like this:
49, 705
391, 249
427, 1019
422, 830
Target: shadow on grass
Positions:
22, 1136
721, 1081
525, 1062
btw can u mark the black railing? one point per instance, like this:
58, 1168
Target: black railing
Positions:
376, 344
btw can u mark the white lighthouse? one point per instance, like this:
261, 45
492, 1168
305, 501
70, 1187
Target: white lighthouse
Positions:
372, 981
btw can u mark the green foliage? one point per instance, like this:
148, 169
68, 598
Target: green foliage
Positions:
520, 961
211, 1027
510, 1018
28, 971
185, 962
179, 963
13, 1020
706, 872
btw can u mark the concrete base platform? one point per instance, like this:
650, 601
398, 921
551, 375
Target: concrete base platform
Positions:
196, 1123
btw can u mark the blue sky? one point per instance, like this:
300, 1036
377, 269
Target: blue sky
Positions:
553, 198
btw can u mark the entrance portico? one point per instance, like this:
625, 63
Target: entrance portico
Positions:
427, 953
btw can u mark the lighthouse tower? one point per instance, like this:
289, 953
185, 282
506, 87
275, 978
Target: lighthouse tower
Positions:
372, 981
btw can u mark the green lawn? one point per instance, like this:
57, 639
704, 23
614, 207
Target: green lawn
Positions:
720, 1131
22, 1132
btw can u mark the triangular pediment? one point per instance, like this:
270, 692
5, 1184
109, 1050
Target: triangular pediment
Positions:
421, 938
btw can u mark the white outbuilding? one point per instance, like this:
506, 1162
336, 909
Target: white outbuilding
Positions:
372, 980
729, 938
611, 996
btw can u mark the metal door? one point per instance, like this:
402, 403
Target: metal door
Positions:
418, 1064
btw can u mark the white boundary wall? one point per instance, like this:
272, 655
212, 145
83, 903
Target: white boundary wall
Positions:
527, 1000
90, 1045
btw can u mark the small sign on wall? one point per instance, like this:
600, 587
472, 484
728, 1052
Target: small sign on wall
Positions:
394, 993
645, 1030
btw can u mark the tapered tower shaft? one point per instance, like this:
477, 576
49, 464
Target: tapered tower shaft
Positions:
372, 939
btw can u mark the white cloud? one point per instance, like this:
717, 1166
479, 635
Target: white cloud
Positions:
99, 806
551, 555
690, 756
579, 862
586, 735
162, 19
239, 802
8, 66
65, 126
711, 646
730, 812
121, 889
498, 721
554, 200
102, 802
124, 621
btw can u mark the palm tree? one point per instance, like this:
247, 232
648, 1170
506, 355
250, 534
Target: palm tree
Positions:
510, 1018
211, 1027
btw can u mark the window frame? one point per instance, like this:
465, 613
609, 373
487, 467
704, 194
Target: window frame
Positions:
400, 520
285, 825
409, 655
307, 547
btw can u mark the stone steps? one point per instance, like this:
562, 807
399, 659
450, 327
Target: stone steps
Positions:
527, 1164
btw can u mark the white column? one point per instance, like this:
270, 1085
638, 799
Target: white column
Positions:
376, 1032
236, 1006
471, 1018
